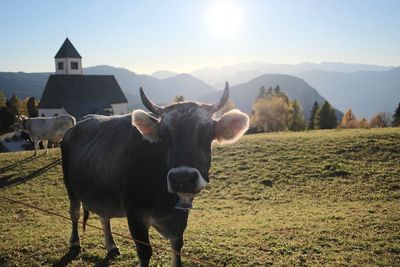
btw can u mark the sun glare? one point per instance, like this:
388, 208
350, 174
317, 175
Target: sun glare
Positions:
224, 18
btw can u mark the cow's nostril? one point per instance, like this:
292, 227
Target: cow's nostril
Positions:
193, 176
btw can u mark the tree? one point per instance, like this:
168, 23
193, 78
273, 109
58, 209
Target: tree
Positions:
314, 110
325, 117
377, 121
363, 123
6, 117
14, 105
297, 121
396, 117
262, 92
349, 120
32, 107
178, 98
271, 114
3, 100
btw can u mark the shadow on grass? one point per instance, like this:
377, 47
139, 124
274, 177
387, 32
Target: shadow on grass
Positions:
7, 182
18, 163
73, 253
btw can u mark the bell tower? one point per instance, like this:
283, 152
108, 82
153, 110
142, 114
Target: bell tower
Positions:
68, 61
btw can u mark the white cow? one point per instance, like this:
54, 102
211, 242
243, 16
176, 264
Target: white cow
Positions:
45, 128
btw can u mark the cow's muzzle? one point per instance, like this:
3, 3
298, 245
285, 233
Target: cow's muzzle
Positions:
185, 181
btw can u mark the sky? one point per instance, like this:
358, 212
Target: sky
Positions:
184, 35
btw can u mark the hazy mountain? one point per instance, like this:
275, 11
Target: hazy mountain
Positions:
216, 76
160, 91
23, 84
163, 74
366, 92
243, 95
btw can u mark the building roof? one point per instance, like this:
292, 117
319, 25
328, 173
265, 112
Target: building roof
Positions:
81, 94
67, 50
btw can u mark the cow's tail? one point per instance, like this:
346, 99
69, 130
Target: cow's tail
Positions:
85, 218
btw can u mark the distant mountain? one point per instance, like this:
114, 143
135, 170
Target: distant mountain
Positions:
160, 91
366, 92
243, 95
163, 74
23, 84
216, 76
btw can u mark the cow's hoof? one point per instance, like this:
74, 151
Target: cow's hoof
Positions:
75, 249
113, 253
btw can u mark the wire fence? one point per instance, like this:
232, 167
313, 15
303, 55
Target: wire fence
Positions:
159, 248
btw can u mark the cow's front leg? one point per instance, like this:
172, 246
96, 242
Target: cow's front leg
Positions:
176, 246
140, 232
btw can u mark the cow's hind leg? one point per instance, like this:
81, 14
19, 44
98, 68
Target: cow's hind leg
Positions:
36, 146
45, 143
140, 232
109, 243
74, 211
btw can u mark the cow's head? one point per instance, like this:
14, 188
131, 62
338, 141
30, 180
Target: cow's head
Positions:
19, 124
188, 129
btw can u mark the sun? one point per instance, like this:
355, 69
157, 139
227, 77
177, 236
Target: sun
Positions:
224, 18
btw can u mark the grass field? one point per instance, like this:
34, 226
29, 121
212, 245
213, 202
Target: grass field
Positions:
312, 198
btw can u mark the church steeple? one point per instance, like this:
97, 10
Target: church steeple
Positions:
68, 60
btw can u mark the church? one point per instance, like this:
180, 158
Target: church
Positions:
69, 91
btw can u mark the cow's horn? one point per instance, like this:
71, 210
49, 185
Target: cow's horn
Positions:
150, 105
217, 106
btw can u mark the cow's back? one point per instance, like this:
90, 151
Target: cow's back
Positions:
52, 128
98, 149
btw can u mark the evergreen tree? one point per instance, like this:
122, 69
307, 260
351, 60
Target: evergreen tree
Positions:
277, 90
325, 117
6, 117
314, 110
32, 107
297, 121
3, 100
262, 92
14, 105
178, 98
396, 117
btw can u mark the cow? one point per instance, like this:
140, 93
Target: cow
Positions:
45, 129
144, 166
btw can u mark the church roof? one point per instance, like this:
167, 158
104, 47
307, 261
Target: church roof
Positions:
81, 94
67, 50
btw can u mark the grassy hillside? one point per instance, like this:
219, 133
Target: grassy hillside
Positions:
313, 198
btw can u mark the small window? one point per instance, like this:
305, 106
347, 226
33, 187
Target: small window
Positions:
55, 115
60, 65
74, 65
42, 115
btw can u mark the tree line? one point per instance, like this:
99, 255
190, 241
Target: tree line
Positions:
13, 107
273, 111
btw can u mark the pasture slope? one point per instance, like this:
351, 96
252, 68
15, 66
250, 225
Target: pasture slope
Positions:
315, 198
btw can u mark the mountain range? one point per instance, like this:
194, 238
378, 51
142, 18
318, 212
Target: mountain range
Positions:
243, 95
374, 89
243, 72
366, 92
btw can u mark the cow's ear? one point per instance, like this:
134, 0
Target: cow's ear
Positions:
146, 124
231, 126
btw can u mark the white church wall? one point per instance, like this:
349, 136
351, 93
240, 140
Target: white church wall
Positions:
120, 108
51, 112
67, 66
